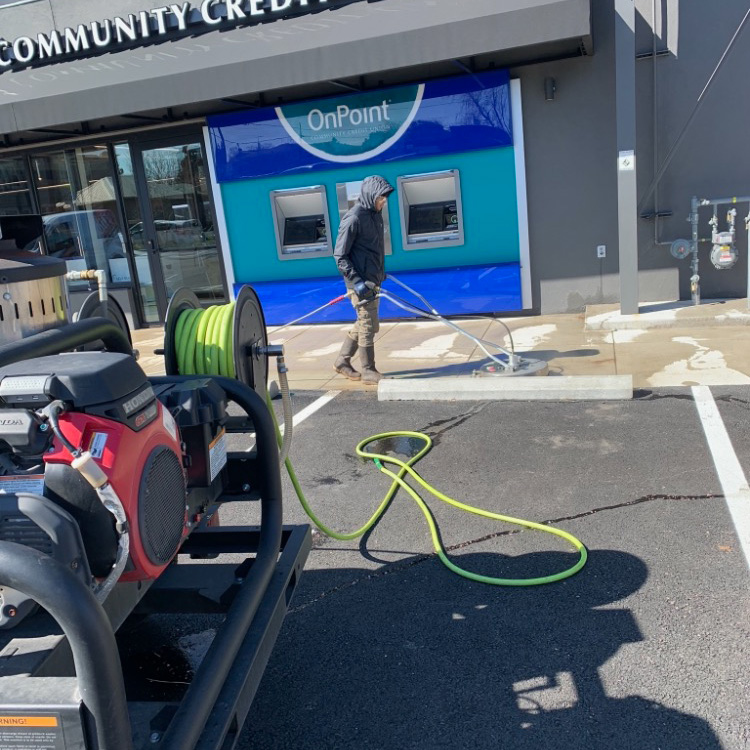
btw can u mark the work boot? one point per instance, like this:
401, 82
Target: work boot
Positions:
343, 363
367, 358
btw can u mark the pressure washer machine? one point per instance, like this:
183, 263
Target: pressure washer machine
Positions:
110, 483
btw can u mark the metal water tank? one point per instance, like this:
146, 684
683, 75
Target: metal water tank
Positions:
33, 295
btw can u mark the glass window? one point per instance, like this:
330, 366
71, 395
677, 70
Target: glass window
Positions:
183, 222
136, 232
15, 194
77, 199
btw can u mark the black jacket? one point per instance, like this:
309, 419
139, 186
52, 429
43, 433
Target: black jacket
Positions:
360, 251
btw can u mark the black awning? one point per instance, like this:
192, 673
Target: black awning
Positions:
358, 39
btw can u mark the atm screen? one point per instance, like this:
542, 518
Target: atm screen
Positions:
304, 230
426, 218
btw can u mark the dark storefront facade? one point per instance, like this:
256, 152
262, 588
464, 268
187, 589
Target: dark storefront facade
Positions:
140, 209
185, 145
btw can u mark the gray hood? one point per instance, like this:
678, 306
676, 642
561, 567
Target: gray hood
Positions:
373, 187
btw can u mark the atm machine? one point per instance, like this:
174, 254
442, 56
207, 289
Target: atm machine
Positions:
431, 212
300, 220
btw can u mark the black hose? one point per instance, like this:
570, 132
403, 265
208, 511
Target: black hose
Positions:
89, 633
188, 723
53, 411
65, 339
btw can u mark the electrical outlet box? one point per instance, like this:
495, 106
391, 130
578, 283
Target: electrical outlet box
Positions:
601, 251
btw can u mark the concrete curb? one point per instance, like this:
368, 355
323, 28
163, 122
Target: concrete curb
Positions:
554, 388
666, 315
641, 322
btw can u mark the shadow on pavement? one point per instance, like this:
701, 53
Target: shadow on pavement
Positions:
469, 368
410, 656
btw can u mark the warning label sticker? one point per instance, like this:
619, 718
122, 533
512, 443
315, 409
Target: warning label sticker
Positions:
217, 451
96, 446
33, 483
31, 732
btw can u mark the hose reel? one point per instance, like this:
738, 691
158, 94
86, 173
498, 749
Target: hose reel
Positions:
227, 340
94, 307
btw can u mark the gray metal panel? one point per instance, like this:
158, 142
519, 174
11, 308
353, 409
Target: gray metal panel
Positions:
627, 190
27, 19
347, 41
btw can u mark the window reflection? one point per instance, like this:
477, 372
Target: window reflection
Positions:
177, 185
15, 194
78, 202
134, 221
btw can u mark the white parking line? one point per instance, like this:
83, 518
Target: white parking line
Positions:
731, 477
309, 410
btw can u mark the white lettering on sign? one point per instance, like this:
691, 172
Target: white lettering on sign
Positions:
206, 6
101, 34
49, 46
143, 26
317, 119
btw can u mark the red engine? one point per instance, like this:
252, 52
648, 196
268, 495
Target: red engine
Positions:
159, 452
145, 470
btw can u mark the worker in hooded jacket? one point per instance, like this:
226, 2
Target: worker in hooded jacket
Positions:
360, 257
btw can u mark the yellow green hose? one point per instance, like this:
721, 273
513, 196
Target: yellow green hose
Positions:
405, 467
203, 341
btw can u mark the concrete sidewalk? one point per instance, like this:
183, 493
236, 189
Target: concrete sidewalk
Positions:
667, 344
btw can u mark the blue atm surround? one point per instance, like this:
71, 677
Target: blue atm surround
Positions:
436, 126
472, 290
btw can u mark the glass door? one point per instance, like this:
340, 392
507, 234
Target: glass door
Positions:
174, 238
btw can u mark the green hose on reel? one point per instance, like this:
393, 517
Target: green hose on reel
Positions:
221, 340
205, 342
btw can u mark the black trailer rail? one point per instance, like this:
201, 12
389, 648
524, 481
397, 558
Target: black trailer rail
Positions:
36, 672
61, 680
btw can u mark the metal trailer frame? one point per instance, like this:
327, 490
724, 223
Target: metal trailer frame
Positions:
63, 665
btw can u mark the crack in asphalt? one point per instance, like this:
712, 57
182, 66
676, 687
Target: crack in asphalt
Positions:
733, 400
585, 514
642, 394
401, 566
440, 426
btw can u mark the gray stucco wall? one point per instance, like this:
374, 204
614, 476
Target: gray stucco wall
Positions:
571, 179
571, 155
713, 160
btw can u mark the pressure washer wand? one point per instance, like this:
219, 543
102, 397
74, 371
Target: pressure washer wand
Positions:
513, 362
312, 312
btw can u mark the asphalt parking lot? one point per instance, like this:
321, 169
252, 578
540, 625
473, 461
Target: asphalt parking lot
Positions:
646, 647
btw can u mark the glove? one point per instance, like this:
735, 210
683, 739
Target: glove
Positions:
364, 289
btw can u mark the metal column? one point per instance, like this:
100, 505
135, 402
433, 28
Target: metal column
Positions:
627, 198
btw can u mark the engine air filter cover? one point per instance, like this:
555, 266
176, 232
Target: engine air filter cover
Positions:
161, 505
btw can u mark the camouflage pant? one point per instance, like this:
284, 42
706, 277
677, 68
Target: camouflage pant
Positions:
367, 324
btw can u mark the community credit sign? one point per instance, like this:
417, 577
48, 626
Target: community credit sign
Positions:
146, 27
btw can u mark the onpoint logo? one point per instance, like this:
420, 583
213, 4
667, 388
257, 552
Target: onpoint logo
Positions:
352, 128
